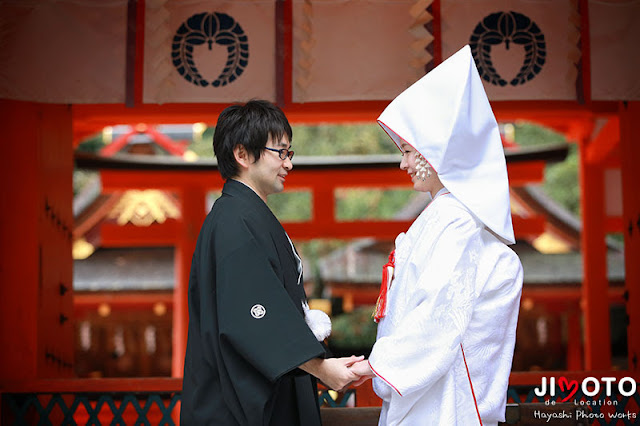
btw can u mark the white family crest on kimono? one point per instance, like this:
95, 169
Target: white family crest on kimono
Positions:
445, 341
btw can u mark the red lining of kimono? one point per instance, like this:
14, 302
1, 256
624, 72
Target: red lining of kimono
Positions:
385, 127
388, 382
471, 384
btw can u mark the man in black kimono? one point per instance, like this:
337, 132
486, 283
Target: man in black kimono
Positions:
249, 349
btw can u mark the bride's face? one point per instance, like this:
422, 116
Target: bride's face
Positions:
409, 164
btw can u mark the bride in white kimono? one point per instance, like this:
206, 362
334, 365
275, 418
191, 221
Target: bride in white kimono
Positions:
447, 317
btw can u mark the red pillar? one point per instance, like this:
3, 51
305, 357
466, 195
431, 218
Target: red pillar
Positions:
595, 305
574, 344
36, 221
193, 212
630, 156
323, 215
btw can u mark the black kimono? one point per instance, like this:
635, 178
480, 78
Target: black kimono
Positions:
247, 332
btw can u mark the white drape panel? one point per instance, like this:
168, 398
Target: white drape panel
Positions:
614, 28
557, 22
63, 51
163, 83
357, 49
74, 51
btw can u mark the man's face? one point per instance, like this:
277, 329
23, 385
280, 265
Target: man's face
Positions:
267, 176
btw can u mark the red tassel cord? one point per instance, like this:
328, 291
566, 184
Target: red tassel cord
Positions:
387, 277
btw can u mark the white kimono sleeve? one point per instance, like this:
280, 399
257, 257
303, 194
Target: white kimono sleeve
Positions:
440, 277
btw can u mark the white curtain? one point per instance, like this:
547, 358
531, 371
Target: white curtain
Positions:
357, 49
614, 28
73, 51
63, 51
539, 32
209, 51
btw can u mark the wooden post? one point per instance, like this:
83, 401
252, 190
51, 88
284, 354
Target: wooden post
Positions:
193, 212
574, 345
630, 156
323, 213
595, 305
36, 294
18, 226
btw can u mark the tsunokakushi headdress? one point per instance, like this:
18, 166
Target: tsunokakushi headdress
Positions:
446, 117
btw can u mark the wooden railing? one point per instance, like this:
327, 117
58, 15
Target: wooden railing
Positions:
156, 401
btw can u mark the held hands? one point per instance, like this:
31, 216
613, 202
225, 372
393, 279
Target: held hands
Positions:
334, 372
338, 374
363, 370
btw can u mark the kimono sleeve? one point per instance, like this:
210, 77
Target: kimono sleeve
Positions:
257, 319
425, 341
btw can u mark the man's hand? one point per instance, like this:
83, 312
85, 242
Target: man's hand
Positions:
333, 372
363, 370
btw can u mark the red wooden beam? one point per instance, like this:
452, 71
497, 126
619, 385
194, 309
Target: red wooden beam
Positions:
630, 153
92, 118
166, 234
117, 145
552, 111
524, 228
568, 294
605, 142
119, 180
175, 148
351, 178
330, 229
155, 235
90, 301
594, 251
84, 301
519, 174
110, 385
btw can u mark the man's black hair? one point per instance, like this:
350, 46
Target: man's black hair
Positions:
249, 125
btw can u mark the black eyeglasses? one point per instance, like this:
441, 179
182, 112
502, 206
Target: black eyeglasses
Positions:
282, 153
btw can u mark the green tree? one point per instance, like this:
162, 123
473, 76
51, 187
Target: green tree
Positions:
561, 179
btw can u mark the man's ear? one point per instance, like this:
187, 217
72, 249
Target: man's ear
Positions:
242, 156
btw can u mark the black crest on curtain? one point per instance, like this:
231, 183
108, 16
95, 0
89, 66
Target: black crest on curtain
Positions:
508, 28
210, 28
